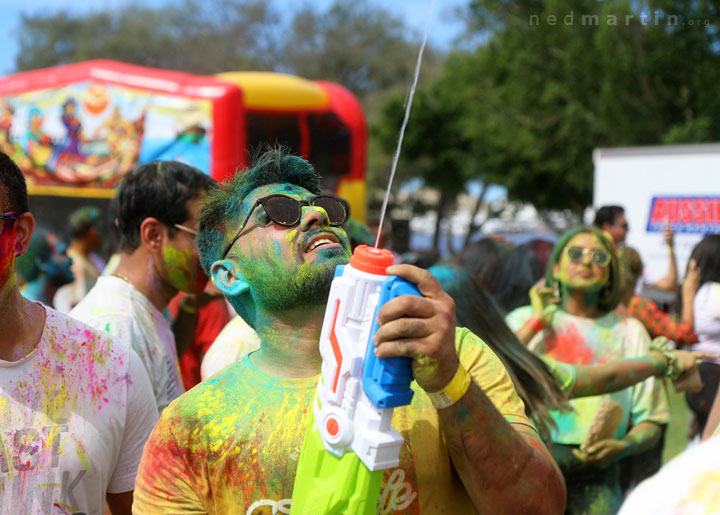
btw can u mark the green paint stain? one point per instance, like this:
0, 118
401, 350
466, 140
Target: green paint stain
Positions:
182, 272
277, 283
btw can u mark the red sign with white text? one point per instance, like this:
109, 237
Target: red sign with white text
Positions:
699, 215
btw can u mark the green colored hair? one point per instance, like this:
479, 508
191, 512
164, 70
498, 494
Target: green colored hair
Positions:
610, 294
223, 209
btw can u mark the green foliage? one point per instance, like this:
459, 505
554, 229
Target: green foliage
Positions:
358, 45
544, 92
198, 37
436, 147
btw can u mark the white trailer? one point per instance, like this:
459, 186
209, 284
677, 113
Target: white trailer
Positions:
674, 184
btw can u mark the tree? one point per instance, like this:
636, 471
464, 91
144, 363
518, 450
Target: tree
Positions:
363, 47
197, 37
542, 93
435, 147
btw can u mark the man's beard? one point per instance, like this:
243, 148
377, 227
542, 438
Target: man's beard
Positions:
277, 285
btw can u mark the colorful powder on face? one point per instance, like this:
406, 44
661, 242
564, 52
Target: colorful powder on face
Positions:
183, 269
569, 273
8, 237
277, 284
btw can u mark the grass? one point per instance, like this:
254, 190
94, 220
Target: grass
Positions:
676, 437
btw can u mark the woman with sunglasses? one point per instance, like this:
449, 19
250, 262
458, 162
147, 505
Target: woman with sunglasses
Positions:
572, 320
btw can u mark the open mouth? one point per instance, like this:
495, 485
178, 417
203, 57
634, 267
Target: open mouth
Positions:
321, 241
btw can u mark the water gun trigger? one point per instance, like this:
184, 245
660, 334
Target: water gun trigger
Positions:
386, 381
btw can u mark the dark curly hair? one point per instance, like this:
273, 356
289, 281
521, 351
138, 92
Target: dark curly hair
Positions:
223, 210
159, 190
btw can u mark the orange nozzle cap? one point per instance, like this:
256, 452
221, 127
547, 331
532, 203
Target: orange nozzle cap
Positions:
371, 259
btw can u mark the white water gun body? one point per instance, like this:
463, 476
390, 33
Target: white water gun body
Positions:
353, 409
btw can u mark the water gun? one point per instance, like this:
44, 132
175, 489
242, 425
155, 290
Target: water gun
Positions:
349, 441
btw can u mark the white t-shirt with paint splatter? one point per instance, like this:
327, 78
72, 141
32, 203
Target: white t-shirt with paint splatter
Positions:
75, 414
593, 341
689, 484
706, 307
233, 342
116, 307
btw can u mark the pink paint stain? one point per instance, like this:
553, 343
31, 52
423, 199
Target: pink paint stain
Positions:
570, 346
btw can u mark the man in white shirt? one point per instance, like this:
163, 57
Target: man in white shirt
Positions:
158, 204
76, 406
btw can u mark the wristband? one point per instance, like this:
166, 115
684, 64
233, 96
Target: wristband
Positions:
535, 324
187, 308
667, 349
454, 391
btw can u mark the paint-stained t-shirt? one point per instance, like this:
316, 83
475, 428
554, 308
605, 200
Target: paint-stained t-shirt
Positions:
593, 341
116, 307
75, 414
706, 307
233, 342
689, 484
232, 443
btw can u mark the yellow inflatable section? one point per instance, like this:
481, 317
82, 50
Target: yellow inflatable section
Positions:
277, 91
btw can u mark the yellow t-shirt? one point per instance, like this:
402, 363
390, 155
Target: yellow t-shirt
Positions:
231, 444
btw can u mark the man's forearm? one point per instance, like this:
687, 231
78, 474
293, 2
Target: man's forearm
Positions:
617, 375
504, 470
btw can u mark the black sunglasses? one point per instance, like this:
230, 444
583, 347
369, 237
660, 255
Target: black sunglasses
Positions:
287, 211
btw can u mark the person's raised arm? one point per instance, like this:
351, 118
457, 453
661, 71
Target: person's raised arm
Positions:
670, 281
690, 286
618, 375
544, 303
504, 468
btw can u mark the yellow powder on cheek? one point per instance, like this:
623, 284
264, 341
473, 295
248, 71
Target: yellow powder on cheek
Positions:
178, 265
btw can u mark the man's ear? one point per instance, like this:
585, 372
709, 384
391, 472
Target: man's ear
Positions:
24, 229
227, 278
151, 234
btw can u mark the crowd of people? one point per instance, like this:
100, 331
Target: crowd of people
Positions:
179, 376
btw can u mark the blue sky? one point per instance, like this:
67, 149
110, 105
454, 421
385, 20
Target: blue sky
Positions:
445, 27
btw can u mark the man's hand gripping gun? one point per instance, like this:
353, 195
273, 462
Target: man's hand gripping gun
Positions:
350, 442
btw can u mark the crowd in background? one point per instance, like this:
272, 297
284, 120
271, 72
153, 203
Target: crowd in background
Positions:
590, 358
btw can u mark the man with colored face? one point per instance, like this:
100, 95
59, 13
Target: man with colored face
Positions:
158, 206
76, 406
272, 242
573, 321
